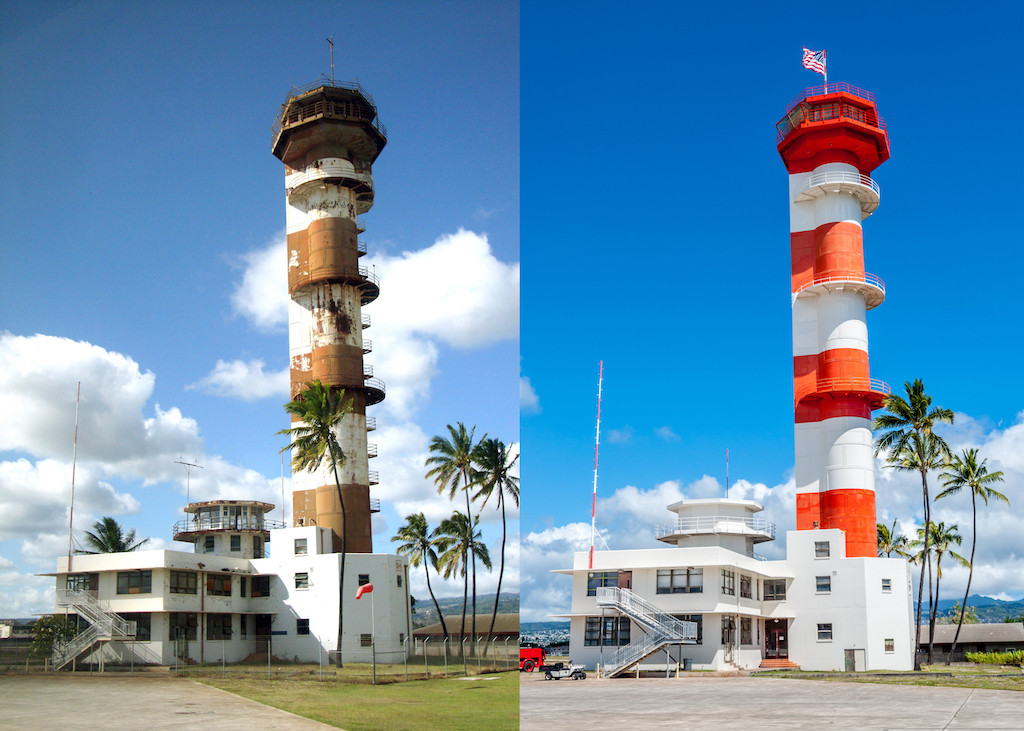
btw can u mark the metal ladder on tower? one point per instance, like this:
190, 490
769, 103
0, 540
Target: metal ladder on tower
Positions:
104, 626
662, 629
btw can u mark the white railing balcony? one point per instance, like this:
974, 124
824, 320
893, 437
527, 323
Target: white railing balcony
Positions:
365, 321
371, 423
204, 522
373, 477
861, 187
869, 285
367, 346
757, 528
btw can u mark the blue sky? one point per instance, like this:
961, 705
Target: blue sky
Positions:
142, 222
656, 238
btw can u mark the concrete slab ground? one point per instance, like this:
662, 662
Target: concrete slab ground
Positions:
760, 703
118, 702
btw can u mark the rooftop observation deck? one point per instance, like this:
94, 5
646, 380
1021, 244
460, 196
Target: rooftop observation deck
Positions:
339, 103
835, 109
757, 529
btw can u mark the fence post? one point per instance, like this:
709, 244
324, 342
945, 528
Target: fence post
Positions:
405, 654
426, 668
269, 640
507, 667
446, 656
479, 658
462, 647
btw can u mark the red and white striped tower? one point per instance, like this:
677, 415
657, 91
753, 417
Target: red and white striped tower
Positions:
831, 139
328, 135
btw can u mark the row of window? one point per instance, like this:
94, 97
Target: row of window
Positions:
236, 545
691, 581
181, 582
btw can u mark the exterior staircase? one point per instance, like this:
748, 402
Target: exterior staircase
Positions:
778, 663
661, 629
104, 626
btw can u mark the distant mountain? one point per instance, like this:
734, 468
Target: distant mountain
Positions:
425, 613
989, 610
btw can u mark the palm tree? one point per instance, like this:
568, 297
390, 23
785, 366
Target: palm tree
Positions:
889, 541
494, 477
451, 466
419, 547
109, 537
908, 424
966, 471
942, 540
320, 409
459, 542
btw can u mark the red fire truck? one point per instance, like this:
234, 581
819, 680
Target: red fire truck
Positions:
531, 656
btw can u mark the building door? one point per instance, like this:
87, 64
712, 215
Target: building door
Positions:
776, 638
729, 637
625, 579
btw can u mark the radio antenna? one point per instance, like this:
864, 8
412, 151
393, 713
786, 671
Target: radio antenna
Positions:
597, 444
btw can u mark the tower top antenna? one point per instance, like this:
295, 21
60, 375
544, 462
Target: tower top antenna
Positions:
330, 42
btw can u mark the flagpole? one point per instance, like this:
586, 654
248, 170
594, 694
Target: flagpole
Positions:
74, 461
824, 57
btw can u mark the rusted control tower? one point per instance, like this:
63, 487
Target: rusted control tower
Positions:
328, 136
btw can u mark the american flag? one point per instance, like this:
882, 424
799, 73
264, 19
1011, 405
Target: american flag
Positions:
814, 60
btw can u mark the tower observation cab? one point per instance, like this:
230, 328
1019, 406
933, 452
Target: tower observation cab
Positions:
831, 139
237, 528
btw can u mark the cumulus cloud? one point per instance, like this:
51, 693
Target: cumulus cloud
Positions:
261, 297
245, 380
666, 433
620, 436
529, 403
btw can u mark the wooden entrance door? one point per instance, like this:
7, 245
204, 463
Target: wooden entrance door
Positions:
776, 638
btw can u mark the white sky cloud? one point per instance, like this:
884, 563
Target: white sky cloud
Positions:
529, 403
667, 433
262, 295
620, 436
245, 380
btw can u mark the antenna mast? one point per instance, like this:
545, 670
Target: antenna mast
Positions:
330, 42
74, 460
597, 444
188, 478
727, 473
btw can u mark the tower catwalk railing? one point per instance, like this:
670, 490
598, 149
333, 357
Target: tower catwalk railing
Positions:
851, 384
662, 628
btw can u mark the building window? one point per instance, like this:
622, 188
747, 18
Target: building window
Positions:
183, 582
745, 587
607, 631
365, 640
183, 625
825, 632
302, 581
243, 625
364, 579
680, 581
601, 578
243, 586
143, 624
134, 582
302, 626
821, 549
887, 586
398, 578
729, 582
823, 584
300, 547
257, 547
890, 645
81, 582
218, 626
260, 586
697, 619
209, 544
401, 637
728, 630
746, 636
775, 590
218, 585
236, 543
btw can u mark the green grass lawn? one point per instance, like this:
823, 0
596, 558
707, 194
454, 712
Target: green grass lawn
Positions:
478, 702
983, 676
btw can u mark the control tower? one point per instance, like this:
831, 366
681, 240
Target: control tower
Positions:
831, 139
328, 136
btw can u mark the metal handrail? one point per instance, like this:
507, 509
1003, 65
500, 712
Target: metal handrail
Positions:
375, 505
360, 227
373, 477
842, 275
202, 522
849, 383
377, 384
365, 321
806, 112
371, 421
717, 524
297, 91
841, 176
367, 347
644, 611
368, 275
360, 247
371, 449
839, 86
94, 611
367, 370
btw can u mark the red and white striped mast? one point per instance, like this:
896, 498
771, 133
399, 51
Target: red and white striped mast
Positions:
597, 444
831, 140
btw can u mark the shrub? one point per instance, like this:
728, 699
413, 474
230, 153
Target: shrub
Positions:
1015, 657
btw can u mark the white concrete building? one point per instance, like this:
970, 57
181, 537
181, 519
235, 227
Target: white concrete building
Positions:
817, 609
229, 600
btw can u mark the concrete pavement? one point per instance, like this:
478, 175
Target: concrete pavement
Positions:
745, 702
112, 702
